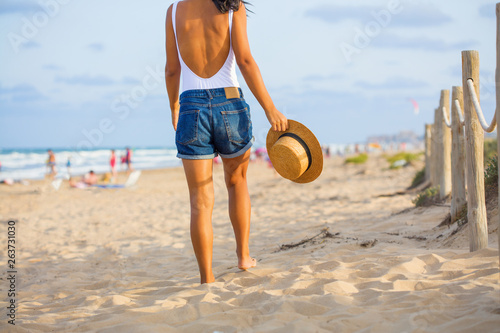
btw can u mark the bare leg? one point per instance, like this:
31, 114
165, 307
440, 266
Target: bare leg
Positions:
114, 174
235, 174
201, 193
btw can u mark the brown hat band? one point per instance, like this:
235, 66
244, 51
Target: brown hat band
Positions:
303, 144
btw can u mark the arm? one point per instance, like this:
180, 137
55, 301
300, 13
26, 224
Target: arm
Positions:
251, 72
172, 69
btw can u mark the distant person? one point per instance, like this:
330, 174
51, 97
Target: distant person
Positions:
112, 163
205, 40
88, 179
128, 159
51, 163
122, 162
0, 166
68, 166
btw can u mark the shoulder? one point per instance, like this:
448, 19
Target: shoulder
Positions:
240, 16
170, 10
242, 11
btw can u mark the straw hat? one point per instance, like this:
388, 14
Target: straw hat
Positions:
295, 153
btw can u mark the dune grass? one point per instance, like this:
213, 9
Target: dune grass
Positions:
360, 159
395, 160
418, 179
427, 197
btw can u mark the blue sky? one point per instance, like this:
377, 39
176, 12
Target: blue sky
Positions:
84, 74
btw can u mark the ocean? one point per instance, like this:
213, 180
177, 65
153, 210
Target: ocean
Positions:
20, 164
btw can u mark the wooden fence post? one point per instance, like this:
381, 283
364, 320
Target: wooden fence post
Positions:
444, 168
428, 151
458, 199
436, 144
497, 80
476, 207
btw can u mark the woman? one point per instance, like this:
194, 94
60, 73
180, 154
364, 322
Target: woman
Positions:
112, 163
51, 163
204, 40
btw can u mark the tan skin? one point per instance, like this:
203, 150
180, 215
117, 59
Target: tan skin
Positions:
203, 40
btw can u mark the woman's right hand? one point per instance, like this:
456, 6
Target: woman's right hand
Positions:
278, 121
175, 114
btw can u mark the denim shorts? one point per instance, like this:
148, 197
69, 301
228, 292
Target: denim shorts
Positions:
210, 125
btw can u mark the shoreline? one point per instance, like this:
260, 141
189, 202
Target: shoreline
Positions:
30, 164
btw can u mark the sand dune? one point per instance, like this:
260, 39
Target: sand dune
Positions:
121, 260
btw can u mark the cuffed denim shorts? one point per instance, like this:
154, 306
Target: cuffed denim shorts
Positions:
210, 125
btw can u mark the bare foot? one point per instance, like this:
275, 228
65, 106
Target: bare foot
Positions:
244, 265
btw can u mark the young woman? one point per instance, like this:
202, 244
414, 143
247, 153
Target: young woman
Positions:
112, 163
205, 39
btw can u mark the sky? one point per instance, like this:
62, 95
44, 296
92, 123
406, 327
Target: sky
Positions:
90, 74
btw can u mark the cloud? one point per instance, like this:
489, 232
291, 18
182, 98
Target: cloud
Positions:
422, 43
18, 6
488, 11
400, 16
20, 93
52, 67
337, 116
96, 47
321, 78
85, 80
393, 83
30, 45
130, 80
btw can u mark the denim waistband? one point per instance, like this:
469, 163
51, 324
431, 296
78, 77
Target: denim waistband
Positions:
207, 93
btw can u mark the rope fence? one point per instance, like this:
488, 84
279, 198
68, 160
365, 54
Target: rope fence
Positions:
457, 140
479, 111
445, 117
456, 102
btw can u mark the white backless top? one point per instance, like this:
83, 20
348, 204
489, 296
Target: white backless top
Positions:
225, 77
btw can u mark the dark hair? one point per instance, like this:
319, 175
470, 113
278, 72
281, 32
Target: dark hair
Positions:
225, 5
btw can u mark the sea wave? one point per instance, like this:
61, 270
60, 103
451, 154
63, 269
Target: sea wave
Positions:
32, 163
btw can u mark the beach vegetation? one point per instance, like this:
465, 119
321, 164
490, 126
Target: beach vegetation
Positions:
428, 197
491, 172
418, 179
402, 159
359, 159
490, 149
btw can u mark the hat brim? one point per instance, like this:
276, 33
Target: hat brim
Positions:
312, 143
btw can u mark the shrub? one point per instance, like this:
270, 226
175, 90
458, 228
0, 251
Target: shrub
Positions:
427, 197
394, 160
418, 179
490, 149
491, 172
360, 159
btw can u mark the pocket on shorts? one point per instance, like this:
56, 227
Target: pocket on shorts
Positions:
187, 127
237, 124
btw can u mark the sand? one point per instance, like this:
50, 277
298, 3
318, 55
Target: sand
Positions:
121, 260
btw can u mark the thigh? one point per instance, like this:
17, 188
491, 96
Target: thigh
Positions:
199, 175
236, 168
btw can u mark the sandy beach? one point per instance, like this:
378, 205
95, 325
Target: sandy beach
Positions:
346, 253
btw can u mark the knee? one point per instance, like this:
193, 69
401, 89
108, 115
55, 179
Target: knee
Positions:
235, 178
202, 200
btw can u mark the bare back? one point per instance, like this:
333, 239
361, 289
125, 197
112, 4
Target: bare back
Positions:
202, 36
